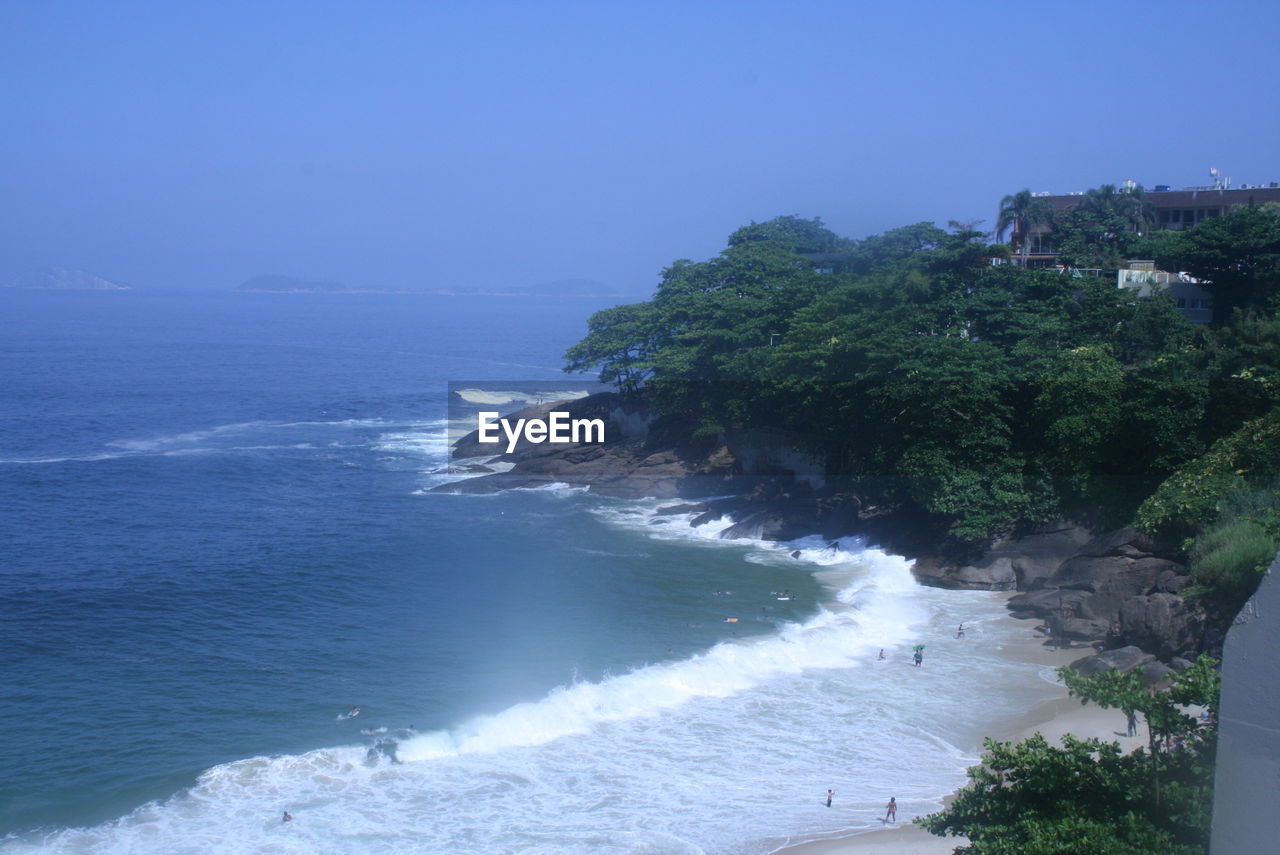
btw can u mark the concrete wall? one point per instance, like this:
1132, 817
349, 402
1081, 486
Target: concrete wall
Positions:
1246, 800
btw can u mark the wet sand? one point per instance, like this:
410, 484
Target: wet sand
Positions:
1052, 718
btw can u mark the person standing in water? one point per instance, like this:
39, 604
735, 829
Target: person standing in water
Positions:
919, 658
960, 631
891, 810
830, 793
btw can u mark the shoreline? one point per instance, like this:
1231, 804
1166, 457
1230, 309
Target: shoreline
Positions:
1053, 718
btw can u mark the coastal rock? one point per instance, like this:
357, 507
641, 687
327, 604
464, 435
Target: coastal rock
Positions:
1156, 672
1079, 629
1088, 591
685, 508
1047, 602
708, 516
1037, 555
996, 575
631, 463
1179, 664
1021, 563
1171, 582
1125, 542
775, 523
1120, 659
1165, 624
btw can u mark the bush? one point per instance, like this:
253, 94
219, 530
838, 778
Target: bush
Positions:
1198, 492
1228, 560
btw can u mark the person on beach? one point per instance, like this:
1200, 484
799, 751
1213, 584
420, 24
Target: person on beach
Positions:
1132, 721
830, 793
891, 810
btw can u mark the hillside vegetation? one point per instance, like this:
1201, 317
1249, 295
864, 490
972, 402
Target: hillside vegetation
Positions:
990, 396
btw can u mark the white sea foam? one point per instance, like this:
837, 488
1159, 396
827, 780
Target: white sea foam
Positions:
207, 441
500, 398
726, 751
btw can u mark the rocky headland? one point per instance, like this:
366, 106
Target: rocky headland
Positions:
1114, 593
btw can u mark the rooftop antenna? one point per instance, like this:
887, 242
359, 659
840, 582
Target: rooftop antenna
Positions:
1130, 185
1219, 182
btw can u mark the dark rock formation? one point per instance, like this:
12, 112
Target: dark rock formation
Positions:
1164, 624
1120, 659
1020, 563
1155, 672
1115, 589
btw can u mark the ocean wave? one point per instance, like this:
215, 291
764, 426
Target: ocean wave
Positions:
425, 434
499, 397
725, 751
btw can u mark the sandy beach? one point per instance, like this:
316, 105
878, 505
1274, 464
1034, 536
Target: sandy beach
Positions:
1053, 719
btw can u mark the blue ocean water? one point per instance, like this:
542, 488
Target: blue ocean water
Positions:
216, 540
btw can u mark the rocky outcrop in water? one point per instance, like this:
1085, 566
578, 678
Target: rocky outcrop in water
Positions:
633, 462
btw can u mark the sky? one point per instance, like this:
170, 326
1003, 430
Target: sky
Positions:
505, 144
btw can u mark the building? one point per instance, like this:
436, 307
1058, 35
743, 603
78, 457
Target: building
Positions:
1195, 303
1174, 209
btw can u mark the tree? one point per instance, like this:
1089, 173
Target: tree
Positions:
1104, 228
1086, 797
621, 342
1163, 712
1237, 255
794, 233
1077, 409
1138, 210
1022, 211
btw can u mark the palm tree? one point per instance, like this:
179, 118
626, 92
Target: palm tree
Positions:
1139, 211
1022, 211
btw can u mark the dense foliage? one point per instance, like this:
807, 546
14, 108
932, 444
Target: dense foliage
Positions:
986, 394
1086, 797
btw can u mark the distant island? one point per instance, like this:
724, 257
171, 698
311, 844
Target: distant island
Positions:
65, 279
279, 284
292, 285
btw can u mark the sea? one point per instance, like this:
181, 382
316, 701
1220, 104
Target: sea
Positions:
228, 591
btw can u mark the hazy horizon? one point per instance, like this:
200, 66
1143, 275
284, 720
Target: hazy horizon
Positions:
404, 146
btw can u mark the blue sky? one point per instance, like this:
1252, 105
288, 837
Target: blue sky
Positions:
486, 144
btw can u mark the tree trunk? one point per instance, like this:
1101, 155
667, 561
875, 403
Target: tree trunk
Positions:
1155, 772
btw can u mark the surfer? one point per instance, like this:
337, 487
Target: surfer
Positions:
881, 656
288, 817
353, 712
960, 631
